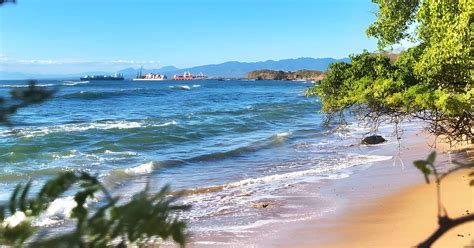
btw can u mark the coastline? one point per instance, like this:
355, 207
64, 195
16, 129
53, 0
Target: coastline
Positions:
407, 218
394, 208
316, 211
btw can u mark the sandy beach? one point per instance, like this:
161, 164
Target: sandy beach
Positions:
382, 204
394, 208
409, 217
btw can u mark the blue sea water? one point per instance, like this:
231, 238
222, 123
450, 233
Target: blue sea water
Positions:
231, 142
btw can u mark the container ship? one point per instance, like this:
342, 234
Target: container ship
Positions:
188, 76
116, 76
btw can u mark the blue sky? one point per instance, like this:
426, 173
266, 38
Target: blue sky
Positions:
59, 36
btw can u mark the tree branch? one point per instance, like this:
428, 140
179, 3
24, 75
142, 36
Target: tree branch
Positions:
445, 224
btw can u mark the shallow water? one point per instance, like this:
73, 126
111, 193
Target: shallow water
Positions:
229, 143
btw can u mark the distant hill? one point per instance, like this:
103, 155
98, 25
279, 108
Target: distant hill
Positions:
241, 69
228, 69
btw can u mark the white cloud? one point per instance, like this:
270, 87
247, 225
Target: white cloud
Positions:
70, 65
7, 60
134, 62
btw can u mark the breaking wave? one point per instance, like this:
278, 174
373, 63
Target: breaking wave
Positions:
72, 83
181, 87
320, 170
143, 169
24, 85
82, 127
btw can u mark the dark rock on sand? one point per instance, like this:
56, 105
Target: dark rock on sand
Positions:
373, 140
264, 204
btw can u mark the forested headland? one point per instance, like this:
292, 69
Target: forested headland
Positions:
288, 75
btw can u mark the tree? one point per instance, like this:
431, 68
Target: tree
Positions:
141, 221
22, 98
7, 1
432, 81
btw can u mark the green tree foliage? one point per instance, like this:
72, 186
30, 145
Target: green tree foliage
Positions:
7, 1
432, 80
281, 75
143, 220
140, 221
21, 98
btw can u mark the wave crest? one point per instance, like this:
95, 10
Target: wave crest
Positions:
143, 169
82, 127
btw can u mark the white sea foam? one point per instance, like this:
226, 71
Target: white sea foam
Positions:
209, 243
354, 160
72, 83
120, 153
196, 85
142, 169
166, 124
273, 181
59, 210
285, 134
24, 85
81, 127
182, 87
14, 220
282, 137
61, 207
69, 154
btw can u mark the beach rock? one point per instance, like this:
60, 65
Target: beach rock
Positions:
264, 204
373, 140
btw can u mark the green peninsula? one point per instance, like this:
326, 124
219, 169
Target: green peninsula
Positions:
288, 75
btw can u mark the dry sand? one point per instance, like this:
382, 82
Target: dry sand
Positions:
407, 217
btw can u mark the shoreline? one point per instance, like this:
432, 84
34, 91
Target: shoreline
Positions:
318, 211
394, 208
407, 218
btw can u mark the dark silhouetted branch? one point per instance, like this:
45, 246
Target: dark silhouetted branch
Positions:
445, 224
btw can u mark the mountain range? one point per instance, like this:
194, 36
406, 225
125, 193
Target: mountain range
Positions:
231, 69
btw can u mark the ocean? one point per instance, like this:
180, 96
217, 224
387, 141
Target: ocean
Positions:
233, 143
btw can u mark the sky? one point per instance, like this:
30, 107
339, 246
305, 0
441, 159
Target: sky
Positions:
59, 36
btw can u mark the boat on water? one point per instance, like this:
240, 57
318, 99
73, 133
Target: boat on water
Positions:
150, 77
188, 76
116, 76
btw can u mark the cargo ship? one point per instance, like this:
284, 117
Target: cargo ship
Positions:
189, 76
150, 77
116, 76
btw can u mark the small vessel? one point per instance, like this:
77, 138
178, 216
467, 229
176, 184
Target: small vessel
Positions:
116, 76
189, 76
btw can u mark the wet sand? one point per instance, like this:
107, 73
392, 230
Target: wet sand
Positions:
391, 206
384, 204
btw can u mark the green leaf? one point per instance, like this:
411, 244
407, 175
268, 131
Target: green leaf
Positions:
13, 200
2, 213
23, 197
431, 158
423, 167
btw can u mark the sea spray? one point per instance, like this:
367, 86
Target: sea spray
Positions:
143, 169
